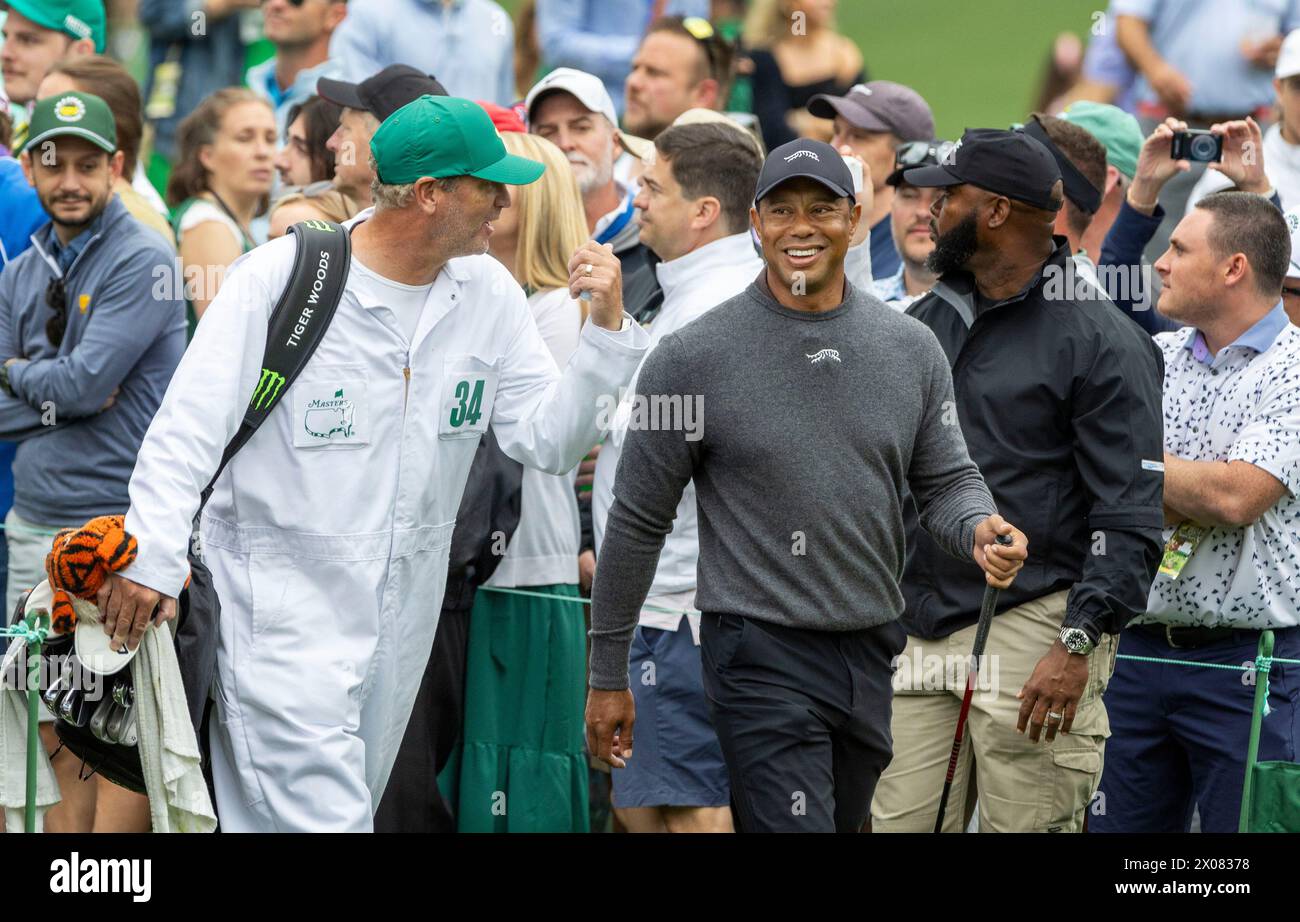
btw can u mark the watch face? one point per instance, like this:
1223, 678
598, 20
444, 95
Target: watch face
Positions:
1076, 640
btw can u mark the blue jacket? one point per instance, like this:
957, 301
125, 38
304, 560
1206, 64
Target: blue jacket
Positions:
22, 213
125, 330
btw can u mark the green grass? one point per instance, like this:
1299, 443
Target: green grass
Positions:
977, 62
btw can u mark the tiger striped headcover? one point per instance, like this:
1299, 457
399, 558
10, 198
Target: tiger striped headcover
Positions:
80, 560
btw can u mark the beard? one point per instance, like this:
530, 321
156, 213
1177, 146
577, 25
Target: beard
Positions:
953, 250
592, 176
95, 209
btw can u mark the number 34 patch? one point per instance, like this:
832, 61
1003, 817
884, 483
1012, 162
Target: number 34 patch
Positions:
469, 385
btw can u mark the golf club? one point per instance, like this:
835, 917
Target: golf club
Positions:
972, 674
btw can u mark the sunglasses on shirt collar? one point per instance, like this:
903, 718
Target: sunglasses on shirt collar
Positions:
56, 299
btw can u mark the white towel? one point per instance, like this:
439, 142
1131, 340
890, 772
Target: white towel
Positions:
169, 749
13, 747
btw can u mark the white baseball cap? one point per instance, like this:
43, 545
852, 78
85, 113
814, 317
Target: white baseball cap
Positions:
1288, 56
589, 90
1293, 225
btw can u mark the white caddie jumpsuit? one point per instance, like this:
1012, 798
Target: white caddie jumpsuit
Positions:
328, 534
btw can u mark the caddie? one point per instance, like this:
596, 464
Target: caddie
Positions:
328, 534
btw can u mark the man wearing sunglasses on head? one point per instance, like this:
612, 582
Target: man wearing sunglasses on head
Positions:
909, 222
88, 341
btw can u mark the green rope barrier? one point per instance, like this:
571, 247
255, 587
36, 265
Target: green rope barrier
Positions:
34, 631
1184, 662
580, 601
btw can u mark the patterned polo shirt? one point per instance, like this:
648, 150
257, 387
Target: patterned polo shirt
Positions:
893, 291
1241, 404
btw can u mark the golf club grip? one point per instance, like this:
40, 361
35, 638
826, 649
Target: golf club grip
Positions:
987, 607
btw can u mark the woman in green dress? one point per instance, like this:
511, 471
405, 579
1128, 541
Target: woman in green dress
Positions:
523, 764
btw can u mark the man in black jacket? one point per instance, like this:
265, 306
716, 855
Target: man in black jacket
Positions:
1058, 396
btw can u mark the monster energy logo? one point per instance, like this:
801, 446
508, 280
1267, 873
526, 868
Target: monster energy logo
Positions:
268, 388
319, 225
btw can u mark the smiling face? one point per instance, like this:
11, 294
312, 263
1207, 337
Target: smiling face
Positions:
73, 179
586, 137
241, 155
805, 231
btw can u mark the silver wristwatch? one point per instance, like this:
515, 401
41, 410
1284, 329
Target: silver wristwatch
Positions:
1076, 640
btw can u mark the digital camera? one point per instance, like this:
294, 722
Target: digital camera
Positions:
1196, 145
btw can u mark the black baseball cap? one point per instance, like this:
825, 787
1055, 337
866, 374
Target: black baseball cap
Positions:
1078, 188
1006, 163
383, 93
811, 159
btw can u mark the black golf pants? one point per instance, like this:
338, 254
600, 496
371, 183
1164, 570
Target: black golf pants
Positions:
802, 717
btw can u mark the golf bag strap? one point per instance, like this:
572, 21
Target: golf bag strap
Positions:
297, 325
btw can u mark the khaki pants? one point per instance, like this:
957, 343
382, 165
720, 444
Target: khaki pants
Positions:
1020, 786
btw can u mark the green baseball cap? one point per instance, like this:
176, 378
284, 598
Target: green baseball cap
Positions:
1117, 131
439, 136
77, 18
79, 114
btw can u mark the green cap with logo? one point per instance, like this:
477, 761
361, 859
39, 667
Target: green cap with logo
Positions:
72, 114
1117, 131
440, 136
77, 18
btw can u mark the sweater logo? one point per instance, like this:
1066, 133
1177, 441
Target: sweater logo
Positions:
803, 153
823, 355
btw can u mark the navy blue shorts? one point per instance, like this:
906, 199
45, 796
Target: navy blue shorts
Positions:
1179, 734
676, 760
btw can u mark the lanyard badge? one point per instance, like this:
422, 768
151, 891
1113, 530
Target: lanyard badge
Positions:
1180, 547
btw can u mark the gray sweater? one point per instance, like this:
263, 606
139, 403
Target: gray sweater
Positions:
814, 425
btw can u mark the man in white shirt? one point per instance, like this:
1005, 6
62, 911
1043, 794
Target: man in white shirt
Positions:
694, 206
329, 550
1231, 565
